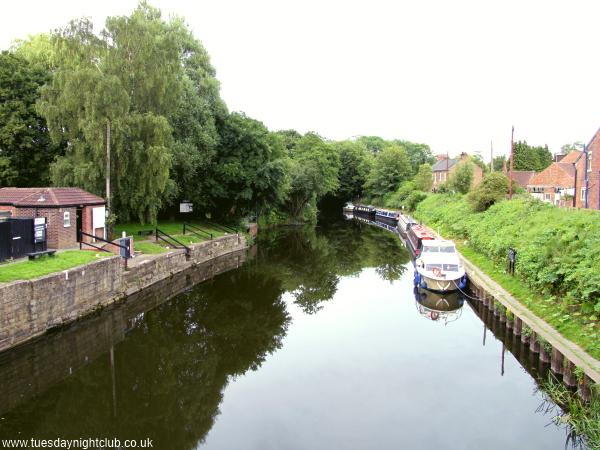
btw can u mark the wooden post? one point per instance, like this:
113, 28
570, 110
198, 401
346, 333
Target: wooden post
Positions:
569, 377
534, 345
584, 388
517, 327
544, 356
556, 361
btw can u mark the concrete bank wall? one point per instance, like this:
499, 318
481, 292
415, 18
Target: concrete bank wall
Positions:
29, 370
30, 308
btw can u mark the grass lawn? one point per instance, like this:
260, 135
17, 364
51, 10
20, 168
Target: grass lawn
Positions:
172, 228
148, 248
26, 270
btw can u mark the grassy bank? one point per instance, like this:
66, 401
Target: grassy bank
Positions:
557, 253
27, 270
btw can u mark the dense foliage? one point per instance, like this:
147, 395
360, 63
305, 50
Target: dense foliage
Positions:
557, 249
462, 178
492, 189
527, 157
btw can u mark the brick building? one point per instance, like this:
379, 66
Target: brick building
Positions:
67, 211
445, 167
588, 175
556, 183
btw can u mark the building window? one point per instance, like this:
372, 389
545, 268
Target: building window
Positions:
548, 197
67, 219
589, 162
582, 194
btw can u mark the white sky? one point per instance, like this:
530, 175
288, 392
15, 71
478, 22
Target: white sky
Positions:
453, 74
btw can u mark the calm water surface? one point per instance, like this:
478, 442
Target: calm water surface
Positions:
315, 342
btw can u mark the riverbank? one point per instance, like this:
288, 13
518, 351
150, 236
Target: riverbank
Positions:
32, 307
553, 274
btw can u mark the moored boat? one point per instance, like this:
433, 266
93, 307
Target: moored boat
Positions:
404, 223
387, 214
438, 267
415, 235
365, 209
348, 208
439, 306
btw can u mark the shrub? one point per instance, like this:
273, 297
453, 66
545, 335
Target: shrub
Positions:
492, 189
396, 200
462, 179
414, 199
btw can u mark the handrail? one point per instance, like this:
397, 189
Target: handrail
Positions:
158, 234
195, 229
225, 228
82, 243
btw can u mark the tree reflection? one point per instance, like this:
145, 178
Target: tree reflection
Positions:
169, 371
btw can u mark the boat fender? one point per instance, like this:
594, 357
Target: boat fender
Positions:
417, 278
463, 282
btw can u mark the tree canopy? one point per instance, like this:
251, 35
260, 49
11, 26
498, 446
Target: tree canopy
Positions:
527, 157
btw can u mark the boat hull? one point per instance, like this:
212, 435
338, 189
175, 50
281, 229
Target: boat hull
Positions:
440, 285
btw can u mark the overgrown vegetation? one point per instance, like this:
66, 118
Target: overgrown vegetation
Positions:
557, 253
582, 419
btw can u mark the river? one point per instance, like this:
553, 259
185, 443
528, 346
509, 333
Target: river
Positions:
316, 341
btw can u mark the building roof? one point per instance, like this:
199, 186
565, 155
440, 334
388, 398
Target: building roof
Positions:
571, 157
444, 164
48, 197
558, 174
523, 177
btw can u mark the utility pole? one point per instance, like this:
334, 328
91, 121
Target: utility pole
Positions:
108, 203
512, 157
491, 156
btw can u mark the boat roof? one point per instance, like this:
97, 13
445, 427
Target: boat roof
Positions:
421, 232
434, 242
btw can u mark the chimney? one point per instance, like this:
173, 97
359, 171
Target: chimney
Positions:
440, 157
463, 156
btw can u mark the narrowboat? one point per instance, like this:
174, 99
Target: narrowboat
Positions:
416, 234
438, 267
404, 223
365, 209
444, 307
348, 208
387, 214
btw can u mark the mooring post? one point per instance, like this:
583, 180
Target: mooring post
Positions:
518, 325
534, 344
556, 361
544, 356
584, 388
569, 377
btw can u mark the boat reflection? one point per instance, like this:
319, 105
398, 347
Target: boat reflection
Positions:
442, 307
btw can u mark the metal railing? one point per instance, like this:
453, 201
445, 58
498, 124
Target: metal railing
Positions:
224, 228
195, 229
127, 250
170, 240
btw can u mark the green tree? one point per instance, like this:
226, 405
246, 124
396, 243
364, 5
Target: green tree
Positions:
462, 178
499, 163
314, 168
567, 148
527, 157
127, 81
250, 169
391, 167
373, 143
355, 165
26, 150
418, 154
492, 189
424, 178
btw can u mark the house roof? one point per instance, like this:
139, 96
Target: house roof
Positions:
558, 174
523, 177
444, 164
48, 197
571, 157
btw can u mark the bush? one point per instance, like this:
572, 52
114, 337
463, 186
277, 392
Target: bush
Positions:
492, 189
462, 179
397, 199
414, 199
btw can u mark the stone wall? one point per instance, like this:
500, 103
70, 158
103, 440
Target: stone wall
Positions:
30, 308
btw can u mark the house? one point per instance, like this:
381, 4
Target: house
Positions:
556, 183
445, 167
588, 175
520, 177
68, 212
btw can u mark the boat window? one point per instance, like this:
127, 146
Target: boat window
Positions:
451, 267
431, 249
448, 249
433, 266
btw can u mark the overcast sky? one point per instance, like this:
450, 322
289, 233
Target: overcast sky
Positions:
453, 74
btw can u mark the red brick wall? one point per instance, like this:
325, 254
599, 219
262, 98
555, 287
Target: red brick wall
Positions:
58, 236
593, 175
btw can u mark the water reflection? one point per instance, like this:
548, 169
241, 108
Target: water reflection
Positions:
157, 367
443, 307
